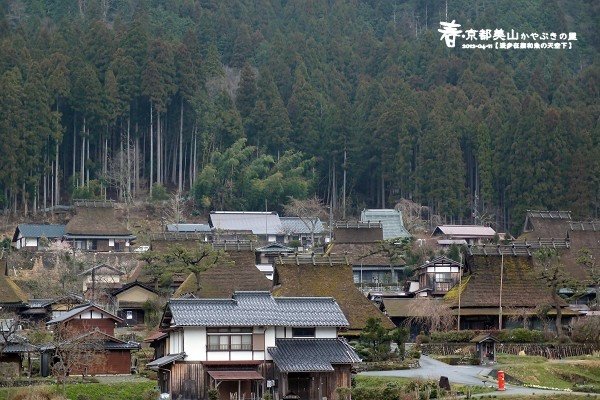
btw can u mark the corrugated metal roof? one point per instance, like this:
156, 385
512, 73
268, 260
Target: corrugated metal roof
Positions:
391, 221
257, 308
295, 225
188, 228
465, 231
159, 362
311, 355
260, 223
41, 230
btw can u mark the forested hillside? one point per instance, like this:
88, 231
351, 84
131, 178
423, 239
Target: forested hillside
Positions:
244, 103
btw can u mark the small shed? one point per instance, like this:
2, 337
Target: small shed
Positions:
485, 348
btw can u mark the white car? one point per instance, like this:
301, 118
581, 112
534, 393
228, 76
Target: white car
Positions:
141, 249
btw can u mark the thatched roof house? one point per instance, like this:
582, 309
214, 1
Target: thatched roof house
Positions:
329, 277
12, 297
222, 280
523, 292
95, 227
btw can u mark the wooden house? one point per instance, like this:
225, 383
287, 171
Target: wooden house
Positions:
308, 232
224, 279
328, 276
12, 297
45, 309
32, 236
14, 350
523, 293
131, 301
251, 344
438, 276
88, 323
95, 228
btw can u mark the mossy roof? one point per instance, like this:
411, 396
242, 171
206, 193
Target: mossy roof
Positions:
10, 292
521, 286
222, 280
95, 221
331, 281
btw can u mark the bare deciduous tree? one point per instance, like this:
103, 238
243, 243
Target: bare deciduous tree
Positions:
309, 211
75, 352
434, 315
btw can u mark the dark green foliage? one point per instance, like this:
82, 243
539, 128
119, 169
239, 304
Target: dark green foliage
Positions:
375, 340
447, 128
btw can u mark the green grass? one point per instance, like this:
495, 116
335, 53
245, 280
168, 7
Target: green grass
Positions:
380, 382
562, 374
92, 391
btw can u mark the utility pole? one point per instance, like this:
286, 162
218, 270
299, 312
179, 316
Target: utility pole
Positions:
501, 282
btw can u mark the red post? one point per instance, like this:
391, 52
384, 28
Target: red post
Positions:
501, 381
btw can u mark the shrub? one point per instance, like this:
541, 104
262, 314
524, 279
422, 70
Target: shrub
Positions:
159, 193
343, 393
213, 394
586, 330
521, 335
453, 336
422, 338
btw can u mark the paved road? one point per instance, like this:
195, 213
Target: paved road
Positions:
463, 374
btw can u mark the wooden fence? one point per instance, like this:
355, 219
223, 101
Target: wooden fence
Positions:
547, 350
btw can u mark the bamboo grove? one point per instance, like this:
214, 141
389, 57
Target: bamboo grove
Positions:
246, 103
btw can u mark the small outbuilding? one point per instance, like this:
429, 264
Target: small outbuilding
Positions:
485, 348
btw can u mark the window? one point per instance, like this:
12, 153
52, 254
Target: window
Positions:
443, 277
303, 332
229, 339
129, 314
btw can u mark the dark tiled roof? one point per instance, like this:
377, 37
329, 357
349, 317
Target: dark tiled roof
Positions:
40, 230
255, 308
335, 281
130, 285
521, 285
311, 355
159, 362
78, 310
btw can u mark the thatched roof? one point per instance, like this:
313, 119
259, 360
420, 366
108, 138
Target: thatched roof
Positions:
10, 292
364, 254
96, 220
306, 279
521, 286
222, 280
546, 224
358, 232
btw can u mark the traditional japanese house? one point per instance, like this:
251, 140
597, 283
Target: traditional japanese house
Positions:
45, 309
223, 279
132, 300
391, 222
12, 298
14, 350
308, 232
478, 300
330, 276
91, 324
266, 226
438, 276
95, 228
36, 236
463, 234
252, 343
101, 277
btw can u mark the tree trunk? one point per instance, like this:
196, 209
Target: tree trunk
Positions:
87, 170
159, 150
180, 182
74, 147
56, 181
128, 194
151, 151
556, 300
82, 162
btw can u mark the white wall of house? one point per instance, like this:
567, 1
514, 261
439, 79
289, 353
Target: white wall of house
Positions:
195, 343
33, 242
326, 333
